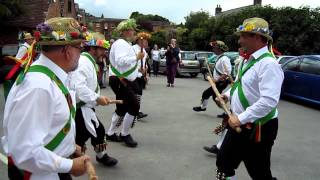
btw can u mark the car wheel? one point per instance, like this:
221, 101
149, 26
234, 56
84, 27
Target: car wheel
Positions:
193, 75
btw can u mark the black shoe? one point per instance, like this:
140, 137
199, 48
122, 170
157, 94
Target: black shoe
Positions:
223, 115
214, 149
129, 141
114, 137
107, 160
168, 85
198, 109
274, 178
141, 115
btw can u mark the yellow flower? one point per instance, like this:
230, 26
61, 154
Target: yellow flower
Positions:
249, 27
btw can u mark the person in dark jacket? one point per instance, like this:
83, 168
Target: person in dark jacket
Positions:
172, 61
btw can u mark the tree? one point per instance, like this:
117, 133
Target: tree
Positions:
149, 17
295, 31
160, 38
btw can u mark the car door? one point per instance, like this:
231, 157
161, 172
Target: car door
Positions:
291, 78
310, 75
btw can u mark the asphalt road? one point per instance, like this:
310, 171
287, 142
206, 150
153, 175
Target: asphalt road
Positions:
172, 136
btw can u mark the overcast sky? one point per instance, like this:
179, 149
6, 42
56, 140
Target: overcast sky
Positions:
175, 10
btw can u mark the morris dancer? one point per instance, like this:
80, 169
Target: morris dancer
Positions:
39, 128
254, 98
88, 97
123, 72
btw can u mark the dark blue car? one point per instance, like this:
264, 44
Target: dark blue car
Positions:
302, 78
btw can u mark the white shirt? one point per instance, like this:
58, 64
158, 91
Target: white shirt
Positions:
262, 86
155, 54
22, 50
35, 111
123, 58
137, 49
84, 80
223, 66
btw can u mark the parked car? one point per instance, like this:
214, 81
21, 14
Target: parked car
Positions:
202, 56
190, 64
283, 59
302, 78
212, 60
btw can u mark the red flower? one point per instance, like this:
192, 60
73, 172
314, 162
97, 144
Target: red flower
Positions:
37, 35
74, 35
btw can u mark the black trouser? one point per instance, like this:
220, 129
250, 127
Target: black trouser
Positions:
125, 91
141, 85
221, 85
238, 147
82, 134
155, 65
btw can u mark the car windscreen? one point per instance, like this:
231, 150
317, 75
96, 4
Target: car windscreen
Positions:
204, 55
188, 56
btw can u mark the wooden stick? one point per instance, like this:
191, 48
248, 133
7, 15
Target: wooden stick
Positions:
208, 68
116, 102
223, 104
91, 171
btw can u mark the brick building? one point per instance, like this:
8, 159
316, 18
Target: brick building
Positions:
35, 12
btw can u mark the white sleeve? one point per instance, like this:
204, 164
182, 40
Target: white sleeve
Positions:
270, 77
123, 57
144, 58
21, 52
226, 65
28, 125
80, 78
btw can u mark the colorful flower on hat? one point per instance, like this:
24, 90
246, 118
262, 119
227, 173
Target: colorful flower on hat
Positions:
144, 35
74, 35
103, 43
55, 35
249, 27
241, 28
37, 35
44, 28
62, 35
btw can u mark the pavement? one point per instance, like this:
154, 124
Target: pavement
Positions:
172, 136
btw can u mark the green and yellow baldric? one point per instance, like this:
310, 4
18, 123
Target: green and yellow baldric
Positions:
54, 143
125, 74
244, 101
93, 61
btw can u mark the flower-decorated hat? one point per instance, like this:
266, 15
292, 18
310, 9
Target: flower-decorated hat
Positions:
96, 40
257, 26
129, 24
59, 31
219, 44
143, 35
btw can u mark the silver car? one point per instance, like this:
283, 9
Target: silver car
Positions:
190, 65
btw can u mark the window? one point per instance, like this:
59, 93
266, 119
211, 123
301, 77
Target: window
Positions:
310, 66
69, 6
284, 59
188, 56
291, 66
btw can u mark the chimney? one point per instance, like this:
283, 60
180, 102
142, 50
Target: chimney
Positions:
218, 10
257, 2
